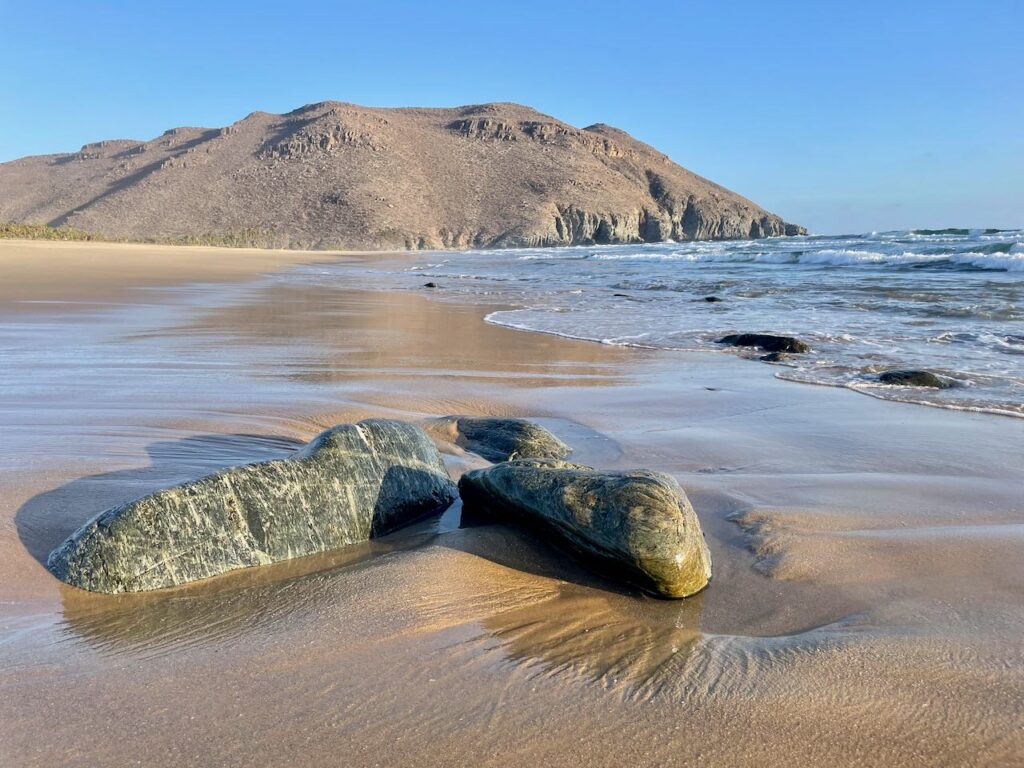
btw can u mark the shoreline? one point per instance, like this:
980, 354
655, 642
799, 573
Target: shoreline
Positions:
988, 411
865, 598
77, 237
99, 271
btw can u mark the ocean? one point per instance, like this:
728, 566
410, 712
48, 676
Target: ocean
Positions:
949, 301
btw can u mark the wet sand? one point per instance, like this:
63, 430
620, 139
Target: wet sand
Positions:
866, 606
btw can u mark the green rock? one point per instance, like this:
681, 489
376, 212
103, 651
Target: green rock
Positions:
498, 439
351, 483
637, 526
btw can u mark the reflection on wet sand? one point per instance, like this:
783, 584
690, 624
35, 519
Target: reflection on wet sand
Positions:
226, 607
606, 639
586, 629
337, 334
512, 595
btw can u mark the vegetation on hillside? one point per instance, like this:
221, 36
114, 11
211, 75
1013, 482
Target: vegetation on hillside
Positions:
246, 238
332, 174
43, 232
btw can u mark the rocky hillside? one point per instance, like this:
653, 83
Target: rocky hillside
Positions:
334, 175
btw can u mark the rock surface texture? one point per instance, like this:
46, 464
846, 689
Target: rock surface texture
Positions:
497, 439
350, 483
637, 525
766, 341
912, 378
336, 175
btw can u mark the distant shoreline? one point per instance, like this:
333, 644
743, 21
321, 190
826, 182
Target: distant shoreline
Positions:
250, 238
41, 271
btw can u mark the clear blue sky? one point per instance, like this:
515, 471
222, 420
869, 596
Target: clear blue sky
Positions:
844, 116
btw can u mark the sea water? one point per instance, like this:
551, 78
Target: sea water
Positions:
949, 301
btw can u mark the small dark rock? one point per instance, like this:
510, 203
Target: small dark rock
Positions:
431, 285
766, 341
711, 299
774, 357
915, 378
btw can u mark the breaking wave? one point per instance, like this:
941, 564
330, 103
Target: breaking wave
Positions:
947, 300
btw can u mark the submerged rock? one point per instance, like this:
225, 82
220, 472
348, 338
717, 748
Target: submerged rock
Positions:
637, 525
914, 378
498, 439
350, 483
766, 341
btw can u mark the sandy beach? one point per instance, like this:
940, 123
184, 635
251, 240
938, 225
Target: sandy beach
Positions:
866, 606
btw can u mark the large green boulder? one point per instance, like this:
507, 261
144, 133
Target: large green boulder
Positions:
637, 526
351, 483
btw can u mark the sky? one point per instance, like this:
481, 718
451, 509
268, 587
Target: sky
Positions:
842, 116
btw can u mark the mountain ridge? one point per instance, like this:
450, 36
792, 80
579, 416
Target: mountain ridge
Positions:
338, 175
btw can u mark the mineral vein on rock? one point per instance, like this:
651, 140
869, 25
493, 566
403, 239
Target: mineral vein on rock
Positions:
351, 483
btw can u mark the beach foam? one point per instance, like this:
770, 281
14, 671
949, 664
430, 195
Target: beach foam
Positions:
942, 300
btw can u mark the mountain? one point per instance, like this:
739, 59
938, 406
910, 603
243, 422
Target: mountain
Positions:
335, 175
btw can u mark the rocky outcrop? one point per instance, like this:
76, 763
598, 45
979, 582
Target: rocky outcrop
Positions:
334, 175
915, 378
767, 342
498, 439
637, 526
351, 483
688, 220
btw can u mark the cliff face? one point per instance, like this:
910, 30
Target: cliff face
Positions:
333, 175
